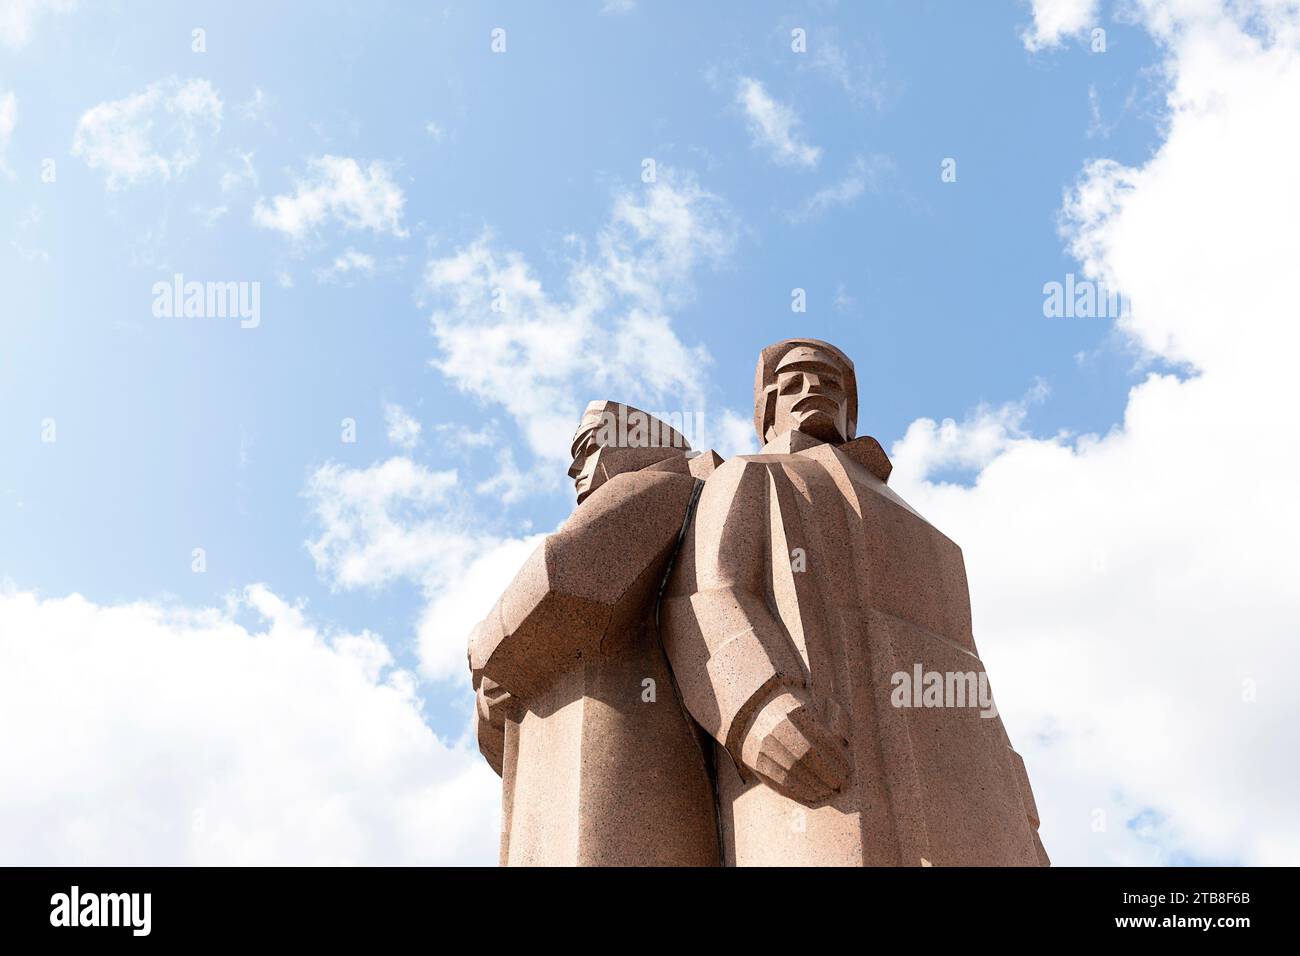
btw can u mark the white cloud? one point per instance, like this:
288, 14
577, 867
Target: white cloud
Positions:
930, 447
336, 188
843, 301
349, 263
615, 7
210, 215
1127, 587
460, 601
18, 19
1055, 19
733, 435
863, 174
8, 122
254, 108
160, 735
542, 356
454, 436
403, 429
774, 125
855, 75
157, 133
510, 484
246, 174
397, 520
383, 522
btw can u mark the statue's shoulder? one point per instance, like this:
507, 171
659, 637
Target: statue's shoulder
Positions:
736, 481
868, 453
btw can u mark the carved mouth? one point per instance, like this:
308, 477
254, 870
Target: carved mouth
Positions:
815, 403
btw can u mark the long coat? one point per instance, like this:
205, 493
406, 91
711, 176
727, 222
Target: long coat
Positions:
802, 569
601, 763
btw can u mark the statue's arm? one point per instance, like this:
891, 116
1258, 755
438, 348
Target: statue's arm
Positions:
740, 674
596, 573
492, 707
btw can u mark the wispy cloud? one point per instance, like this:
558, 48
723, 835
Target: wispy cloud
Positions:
399, 520
856, 75
542, 354
158, 133
347, 266
863, 174
338, 189
774, 126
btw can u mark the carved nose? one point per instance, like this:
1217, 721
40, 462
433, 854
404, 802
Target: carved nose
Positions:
816, 386
812, 385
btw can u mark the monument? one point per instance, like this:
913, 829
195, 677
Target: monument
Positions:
600, 762
774, 604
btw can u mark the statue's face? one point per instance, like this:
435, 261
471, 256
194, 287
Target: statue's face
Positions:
584, 463
811, 398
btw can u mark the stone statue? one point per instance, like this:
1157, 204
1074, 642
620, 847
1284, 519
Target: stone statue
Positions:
600, 763
803, 587
788, 613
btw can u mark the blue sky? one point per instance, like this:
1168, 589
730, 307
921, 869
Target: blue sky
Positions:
941, 283
179, 433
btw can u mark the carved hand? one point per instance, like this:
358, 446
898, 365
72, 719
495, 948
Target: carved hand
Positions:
793, 752
492, 706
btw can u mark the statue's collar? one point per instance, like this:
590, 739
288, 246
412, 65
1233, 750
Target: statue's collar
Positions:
866, 451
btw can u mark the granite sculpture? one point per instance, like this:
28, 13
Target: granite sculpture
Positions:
776, 603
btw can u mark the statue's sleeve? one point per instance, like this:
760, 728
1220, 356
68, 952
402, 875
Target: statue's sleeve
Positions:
597, 573
728, 648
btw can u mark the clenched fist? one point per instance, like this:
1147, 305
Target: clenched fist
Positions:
793, 752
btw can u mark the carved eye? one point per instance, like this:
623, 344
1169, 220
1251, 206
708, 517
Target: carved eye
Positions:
792, 384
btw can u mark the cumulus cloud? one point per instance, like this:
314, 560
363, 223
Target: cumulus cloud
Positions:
543, 353
1057, 19
774, 126
158, 133
18, 19
158, 735
1134, 592
338, 189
